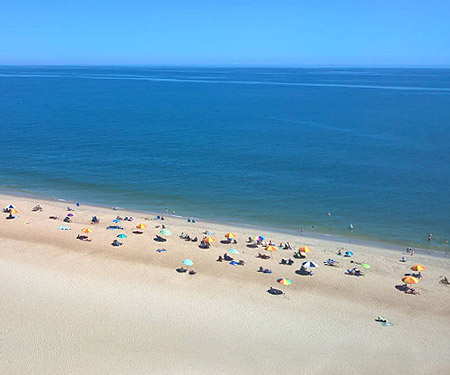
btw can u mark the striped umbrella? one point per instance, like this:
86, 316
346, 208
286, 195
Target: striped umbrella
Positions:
418, 267
258, 238
230, 235
305, 249
13, 211
141, 226
410, 280
284, 281
309, 264
209, 239
271, 248
86, 230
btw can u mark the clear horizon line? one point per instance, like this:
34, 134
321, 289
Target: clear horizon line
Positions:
268, 66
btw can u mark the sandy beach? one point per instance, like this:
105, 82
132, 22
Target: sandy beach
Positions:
77, 307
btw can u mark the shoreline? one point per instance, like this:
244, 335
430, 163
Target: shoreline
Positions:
307, 234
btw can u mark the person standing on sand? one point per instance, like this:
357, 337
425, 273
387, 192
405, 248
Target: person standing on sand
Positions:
301, 231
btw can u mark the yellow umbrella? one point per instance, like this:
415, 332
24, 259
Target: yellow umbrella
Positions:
13, 211
86, 230
410, 280
209, 239
271, 248
141, 226
418, 267
230, 235
305, 249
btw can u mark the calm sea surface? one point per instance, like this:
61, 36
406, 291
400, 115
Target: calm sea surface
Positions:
274, 147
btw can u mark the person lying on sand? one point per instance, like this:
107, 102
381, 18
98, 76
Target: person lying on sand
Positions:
83, 238
263, 256
331, 262
219, 259
37, 208
354, 272
411, 291
445, 281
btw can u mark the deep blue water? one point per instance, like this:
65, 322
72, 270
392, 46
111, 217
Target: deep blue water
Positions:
275, 147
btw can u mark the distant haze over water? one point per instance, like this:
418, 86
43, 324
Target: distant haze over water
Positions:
274, 147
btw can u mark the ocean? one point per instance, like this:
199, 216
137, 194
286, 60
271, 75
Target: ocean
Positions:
276, 147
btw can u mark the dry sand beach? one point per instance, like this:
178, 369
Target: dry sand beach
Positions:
76, 307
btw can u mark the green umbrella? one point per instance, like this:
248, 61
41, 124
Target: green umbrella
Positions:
166, 232
365, 265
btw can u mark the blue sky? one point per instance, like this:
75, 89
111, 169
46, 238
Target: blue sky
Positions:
228, 32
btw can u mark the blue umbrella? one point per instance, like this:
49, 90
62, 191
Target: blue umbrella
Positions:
188, 262
121, 235
233, 251
309, 264
117, 221
63, 227
348, 253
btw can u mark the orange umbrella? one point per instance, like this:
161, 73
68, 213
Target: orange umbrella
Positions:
13, 211
305, 249
86, 230
418, 267
271, 248
410, 280
141, 226
209, 239
230, 235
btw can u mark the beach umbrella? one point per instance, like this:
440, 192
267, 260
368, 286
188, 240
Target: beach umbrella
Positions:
122, 235
418, 267
117, 221
10, 206
165, 232
305, 249
365, 265
271, 248
13, 211
410, 280
141, 226
230, 235
284, 281
209, 239
233, 251
86, 230
188, 262
309, 264
63, 227
70, 215
258, 238
348, 253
